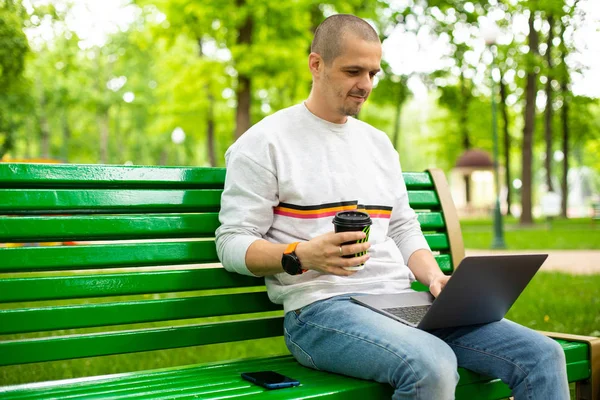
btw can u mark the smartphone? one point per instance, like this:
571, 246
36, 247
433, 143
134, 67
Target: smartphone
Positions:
270, 379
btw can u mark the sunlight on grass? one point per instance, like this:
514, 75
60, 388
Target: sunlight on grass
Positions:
572, 234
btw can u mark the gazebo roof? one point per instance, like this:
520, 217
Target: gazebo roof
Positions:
474, 159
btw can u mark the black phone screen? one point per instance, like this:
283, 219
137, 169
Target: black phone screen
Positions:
268, 377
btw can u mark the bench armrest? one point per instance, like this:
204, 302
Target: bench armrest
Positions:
591, 390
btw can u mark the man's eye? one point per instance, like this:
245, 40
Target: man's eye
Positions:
352, 72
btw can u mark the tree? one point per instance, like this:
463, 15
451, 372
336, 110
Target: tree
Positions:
529, 117
13, 50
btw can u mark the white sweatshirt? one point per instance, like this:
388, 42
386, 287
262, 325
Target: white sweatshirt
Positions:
286, 178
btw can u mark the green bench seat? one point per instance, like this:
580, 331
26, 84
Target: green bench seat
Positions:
105, 260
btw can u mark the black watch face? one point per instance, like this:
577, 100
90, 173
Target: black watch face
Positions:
291, 264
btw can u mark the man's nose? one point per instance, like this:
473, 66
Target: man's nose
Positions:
365, 82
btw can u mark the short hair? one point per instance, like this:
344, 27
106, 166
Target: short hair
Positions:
329, 35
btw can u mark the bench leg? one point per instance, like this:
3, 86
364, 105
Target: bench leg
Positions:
589, 389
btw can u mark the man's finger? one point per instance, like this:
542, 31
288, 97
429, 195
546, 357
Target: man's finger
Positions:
343, 237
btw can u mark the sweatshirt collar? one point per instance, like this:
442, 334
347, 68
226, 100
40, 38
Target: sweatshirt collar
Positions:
338, 128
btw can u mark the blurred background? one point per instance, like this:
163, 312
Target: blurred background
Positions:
175, 82
503, 95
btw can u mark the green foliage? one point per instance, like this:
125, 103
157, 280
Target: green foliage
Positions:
13, 51
182, 62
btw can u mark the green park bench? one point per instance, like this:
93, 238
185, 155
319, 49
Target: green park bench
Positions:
124, 220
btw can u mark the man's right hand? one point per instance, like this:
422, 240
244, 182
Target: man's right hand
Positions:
322, 253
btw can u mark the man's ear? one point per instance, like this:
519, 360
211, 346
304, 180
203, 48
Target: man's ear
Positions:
315, 64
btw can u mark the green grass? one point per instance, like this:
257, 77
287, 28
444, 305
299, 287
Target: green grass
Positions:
559, 234
552, 302
559, 302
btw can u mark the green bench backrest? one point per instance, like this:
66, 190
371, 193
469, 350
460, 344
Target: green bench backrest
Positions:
125, 220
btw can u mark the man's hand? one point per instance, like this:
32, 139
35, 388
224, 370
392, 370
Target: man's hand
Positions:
437, 284
323, 254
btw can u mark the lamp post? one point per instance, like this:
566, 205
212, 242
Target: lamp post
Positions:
490, 33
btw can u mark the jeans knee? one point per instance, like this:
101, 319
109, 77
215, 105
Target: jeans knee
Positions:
440, 371
433, 375
550, 353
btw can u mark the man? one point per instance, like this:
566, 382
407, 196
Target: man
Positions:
286, 178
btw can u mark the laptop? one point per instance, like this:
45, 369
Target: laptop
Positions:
481, 290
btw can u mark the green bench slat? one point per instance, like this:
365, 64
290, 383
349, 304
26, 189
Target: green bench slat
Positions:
574, 351
423, 199
108, 227
208, 382
120, 342
131, 283
123, 227
224, 378
430, 221
27, 320
103, 176
445, 262
106, 256
417, 180
437, 241
99, 285
50, 201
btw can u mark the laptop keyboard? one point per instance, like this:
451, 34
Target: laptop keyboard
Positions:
412, 314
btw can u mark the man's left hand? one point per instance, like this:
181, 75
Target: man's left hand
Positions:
437, 284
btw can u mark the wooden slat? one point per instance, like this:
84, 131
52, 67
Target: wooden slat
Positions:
102, 344
445, 262
452, 223
423, 199
225, 381
50, 201
106, 256
123, 227
107, 227
437, 241
430, 221
130, 312
417, 180
101, 285
206, 382
103, 176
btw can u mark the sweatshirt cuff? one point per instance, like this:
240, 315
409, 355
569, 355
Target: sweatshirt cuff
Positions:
234, 254
412, 244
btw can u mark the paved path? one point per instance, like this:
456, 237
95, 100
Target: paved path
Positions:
583, 262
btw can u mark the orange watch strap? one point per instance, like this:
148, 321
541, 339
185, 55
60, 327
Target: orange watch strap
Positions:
291, 248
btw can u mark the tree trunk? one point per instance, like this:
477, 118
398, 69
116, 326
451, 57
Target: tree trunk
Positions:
528, 129
399, 103
242, 118
210, 130
44, 130
506, 140
103, 121
548, 111
66, 136
564, 88
565, 148
464, 129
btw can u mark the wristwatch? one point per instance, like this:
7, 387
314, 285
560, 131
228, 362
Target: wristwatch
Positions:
290, 261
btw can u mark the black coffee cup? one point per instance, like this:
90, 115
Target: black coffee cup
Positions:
350, 221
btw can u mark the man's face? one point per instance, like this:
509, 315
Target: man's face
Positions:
348, 80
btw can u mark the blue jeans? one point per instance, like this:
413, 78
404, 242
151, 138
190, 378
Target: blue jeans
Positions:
338, 335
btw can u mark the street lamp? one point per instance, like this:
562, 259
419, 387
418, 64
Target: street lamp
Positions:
490, 32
